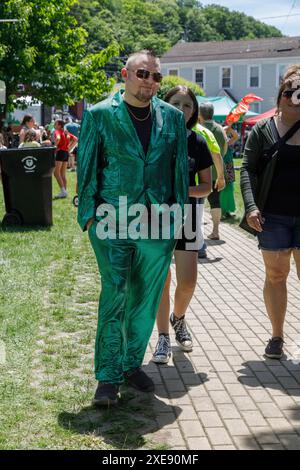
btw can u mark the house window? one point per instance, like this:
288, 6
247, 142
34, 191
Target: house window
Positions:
199, 77
173, 72
226, 77
254, 76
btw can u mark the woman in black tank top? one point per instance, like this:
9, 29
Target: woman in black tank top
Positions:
278, 225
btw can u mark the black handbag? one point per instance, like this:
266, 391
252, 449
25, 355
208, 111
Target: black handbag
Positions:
266, 174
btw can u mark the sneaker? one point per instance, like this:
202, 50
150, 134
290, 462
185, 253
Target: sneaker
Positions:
62, 195
274, 349
106, 394
202, 254
139, 380
162, 352
182, 336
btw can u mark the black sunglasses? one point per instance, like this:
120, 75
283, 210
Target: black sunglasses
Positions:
289, 93
144, 74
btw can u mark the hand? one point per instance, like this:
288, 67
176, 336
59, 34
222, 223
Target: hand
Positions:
220, 183
255, 220
89, 223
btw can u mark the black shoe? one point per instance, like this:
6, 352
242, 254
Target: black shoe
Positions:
139, 380
202, 254
274, 350
182, 336
106, 394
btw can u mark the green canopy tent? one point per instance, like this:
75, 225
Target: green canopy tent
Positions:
222, 106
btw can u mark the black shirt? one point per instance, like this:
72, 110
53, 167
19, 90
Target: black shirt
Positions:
143, 128
284, 194
199, 158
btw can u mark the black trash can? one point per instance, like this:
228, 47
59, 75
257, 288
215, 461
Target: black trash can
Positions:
27, 185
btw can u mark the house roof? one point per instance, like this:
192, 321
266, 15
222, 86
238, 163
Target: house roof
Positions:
242, 49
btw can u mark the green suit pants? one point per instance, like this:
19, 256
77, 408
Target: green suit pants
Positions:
133, 274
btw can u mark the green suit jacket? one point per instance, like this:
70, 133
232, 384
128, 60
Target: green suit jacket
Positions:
112, 163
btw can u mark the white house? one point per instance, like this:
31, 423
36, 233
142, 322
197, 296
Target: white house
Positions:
239, 67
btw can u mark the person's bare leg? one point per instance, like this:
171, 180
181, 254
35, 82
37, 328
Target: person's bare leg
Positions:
57, 174
277, 265
296, 255
162, 320
72, 161
186, 274
63, 172
216, 219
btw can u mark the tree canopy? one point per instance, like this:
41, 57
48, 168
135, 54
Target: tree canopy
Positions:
66, 50
159, 24
47, 52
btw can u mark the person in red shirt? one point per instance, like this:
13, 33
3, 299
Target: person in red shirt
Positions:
64, 142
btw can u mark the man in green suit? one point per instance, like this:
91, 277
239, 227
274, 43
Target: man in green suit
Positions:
132, 151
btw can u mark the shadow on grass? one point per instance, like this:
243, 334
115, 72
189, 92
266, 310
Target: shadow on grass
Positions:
24, 228
125, 426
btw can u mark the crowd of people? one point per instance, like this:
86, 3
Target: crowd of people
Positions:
172, 152
63, 134
137, 145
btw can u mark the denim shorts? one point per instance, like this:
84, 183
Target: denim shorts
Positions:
280, 232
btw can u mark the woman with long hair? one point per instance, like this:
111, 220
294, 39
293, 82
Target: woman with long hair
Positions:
278, 223
186, 251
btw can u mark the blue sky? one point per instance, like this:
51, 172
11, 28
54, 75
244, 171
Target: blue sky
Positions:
289, 26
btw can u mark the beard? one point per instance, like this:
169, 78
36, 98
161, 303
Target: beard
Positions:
144, 95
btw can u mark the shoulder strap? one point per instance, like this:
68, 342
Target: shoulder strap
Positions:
280, 141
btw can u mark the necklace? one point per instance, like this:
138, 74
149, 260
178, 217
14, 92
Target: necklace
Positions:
139, 119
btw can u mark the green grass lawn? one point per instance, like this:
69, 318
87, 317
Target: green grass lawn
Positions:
48, 314
237, 191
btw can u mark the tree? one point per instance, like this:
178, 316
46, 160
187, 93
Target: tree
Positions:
235, 25
171, 81
159, 24
46, 51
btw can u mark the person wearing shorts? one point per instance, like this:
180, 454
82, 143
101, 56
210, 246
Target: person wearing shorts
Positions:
206, 112
64, 141
278, 224
186, 250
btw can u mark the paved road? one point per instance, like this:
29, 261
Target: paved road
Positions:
225, 395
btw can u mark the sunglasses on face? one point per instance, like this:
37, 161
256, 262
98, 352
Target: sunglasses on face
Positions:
145, 74
289, 93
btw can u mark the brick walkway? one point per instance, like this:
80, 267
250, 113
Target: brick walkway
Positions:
225, 395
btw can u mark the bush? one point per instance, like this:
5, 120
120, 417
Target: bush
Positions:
171, 81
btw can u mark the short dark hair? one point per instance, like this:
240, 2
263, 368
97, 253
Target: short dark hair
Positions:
186, 91
206, 110
60, 122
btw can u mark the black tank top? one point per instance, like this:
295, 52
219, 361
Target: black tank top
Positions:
284, 194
